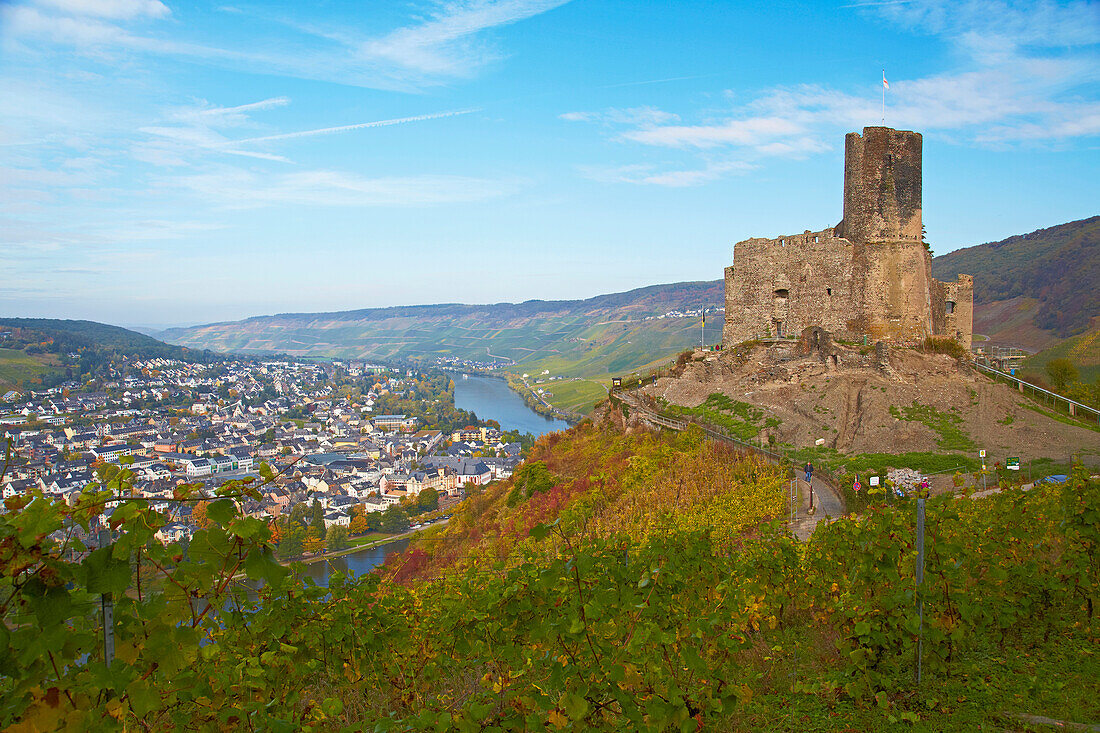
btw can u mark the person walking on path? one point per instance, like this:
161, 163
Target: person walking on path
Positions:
809, 472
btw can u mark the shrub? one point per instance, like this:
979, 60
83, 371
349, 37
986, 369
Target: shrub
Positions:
949, 346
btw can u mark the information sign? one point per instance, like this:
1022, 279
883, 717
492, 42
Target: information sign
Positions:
1013, 463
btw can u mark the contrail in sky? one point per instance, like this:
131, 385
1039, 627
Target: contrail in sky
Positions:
360, 126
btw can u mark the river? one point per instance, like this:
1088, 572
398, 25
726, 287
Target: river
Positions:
493, 399
354, 564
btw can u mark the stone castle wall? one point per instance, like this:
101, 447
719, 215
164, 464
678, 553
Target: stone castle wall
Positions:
953, 309
778, 287
868, 277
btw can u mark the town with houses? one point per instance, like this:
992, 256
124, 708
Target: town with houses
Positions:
172, 422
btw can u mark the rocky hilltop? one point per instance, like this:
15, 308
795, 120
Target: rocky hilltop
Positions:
873, 399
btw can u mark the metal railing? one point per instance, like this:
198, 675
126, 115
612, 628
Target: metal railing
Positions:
1072, 406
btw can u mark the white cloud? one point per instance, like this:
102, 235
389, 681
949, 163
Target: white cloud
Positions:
240, 189
116, 9
193, 132
233, 115
645, 116
647, 174
745, 132
441, 45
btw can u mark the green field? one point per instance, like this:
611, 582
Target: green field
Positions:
575, 395
18, 368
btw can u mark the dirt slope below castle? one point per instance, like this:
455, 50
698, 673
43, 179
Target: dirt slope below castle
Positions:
898, 402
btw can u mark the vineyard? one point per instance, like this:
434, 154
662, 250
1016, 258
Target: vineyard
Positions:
618, 581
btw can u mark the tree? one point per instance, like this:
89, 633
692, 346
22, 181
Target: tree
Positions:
277, 530
358, 519
394, 520
374, 521
298, 515
338, 538
317, 520
1061, 372
293, 537
198, 515
313, 543
428, 500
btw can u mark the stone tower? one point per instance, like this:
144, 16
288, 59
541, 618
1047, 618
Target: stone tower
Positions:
869, 277
882, 186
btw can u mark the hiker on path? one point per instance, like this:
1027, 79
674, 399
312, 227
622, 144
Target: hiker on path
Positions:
809, 471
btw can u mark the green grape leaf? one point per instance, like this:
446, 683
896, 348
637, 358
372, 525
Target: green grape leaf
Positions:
105, 573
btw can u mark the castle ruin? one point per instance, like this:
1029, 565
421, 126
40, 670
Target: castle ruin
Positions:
869, 277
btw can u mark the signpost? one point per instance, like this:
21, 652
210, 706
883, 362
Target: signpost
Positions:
873, 481
616, 382
1013, 463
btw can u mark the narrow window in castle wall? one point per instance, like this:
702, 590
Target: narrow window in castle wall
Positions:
828, 291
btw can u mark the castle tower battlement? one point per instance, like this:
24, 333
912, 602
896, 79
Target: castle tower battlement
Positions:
868, 277
882, 186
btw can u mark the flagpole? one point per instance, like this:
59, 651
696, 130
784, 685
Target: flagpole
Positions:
884, 97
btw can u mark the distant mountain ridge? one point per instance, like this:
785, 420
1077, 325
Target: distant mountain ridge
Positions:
648, 300
590, 337
1057, 267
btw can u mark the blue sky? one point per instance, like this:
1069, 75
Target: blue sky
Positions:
164, 162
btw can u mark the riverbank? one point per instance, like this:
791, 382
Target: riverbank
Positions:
328, 555
537, 403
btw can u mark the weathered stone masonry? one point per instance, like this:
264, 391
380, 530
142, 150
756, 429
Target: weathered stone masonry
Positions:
869, 276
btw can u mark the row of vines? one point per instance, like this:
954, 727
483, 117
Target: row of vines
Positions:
618, 582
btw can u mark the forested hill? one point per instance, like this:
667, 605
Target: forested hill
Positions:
1059, 267
651, 300
595, 336
42, 335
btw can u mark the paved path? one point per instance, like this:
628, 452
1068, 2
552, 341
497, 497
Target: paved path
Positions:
827, 506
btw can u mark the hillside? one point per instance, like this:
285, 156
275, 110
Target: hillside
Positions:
591, 338
619, 581
1049, 273
1082, 350
42, 351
